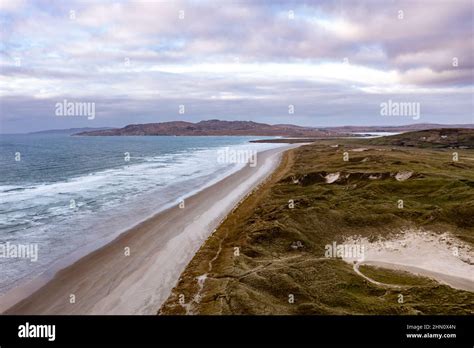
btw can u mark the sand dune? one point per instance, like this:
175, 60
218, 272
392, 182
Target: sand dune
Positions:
441, 257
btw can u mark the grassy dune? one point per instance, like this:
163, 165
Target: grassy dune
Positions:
268, 255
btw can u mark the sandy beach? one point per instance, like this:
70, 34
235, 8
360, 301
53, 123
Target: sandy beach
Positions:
109, 281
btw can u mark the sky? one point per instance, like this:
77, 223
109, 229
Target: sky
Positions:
315, 63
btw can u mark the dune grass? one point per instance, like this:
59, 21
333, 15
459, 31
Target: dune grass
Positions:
268, 255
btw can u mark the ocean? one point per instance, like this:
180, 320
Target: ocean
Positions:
65, 193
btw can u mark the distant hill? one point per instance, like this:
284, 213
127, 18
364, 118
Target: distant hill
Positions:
217, 127
71, 130
405, 128
212, 127
437, 138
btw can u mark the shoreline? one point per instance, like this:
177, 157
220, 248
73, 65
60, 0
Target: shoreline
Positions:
201, 268
106, 281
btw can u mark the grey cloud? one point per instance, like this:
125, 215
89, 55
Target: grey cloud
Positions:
84, 58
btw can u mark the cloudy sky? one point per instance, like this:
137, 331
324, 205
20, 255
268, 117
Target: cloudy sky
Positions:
335, 62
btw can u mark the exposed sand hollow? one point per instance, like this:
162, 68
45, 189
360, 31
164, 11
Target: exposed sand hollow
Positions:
441, 257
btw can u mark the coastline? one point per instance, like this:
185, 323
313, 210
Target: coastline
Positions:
106, 281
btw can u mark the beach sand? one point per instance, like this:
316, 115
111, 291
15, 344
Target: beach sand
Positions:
107, 281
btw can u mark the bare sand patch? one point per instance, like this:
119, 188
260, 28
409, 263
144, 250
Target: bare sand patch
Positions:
441, 257
332, 177
402, 176
360, 149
